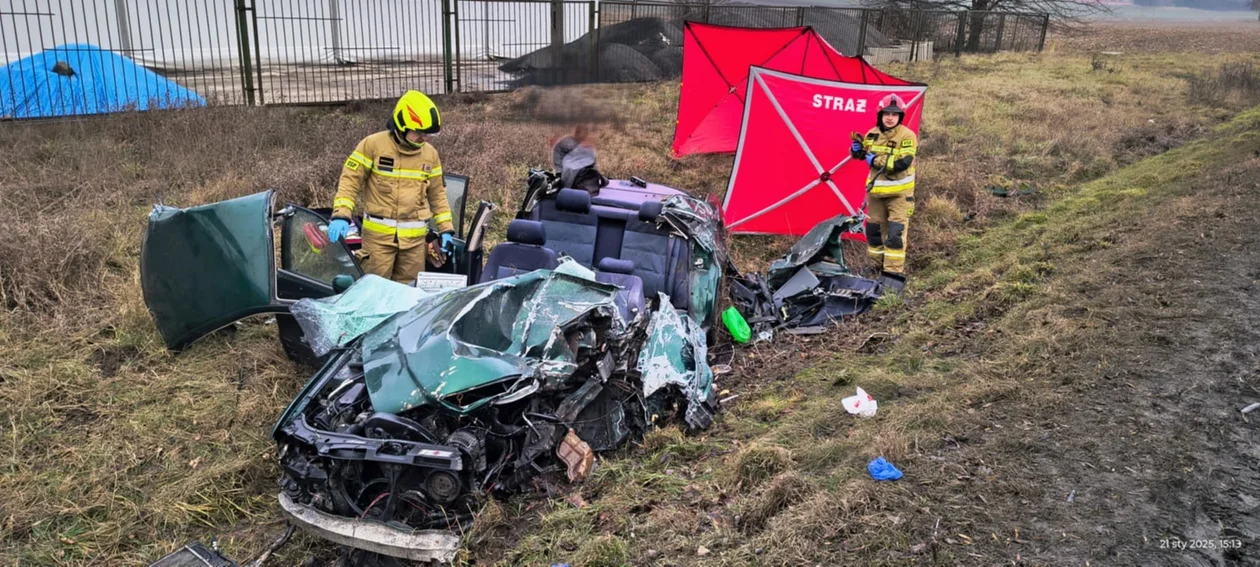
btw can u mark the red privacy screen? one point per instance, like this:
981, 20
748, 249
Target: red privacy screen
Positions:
792, 168
716, 63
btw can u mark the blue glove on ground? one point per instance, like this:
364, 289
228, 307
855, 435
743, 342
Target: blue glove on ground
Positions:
881, 469
856, 147
870, 159
448, 243
337, 229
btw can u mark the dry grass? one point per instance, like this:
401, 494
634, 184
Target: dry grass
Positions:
980, 366
1233, 84
116, 451
787, 490
756, 464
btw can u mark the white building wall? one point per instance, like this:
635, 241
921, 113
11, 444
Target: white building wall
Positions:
202, 33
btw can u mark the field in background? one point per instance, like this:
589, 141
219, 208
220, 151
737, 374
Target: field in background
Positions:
1151, 15
116, 451
1162, 37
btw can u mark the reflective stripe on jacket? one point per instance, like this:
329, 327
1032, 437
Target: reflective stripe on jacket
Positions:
889, 147
404, 229
398, 189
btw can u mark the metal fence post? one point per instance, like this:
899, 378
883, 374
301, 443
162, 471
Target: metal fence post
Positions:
334, 15
458, 49
446, 47
599, 21
800, 16
962, 34
242, 49
861, 43
258, 60
592, 35
557, 29
1045, 25
997, 45
124, 26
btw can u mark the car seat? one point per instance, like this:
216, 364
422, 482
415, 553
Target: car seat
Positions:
630, 299
571, 227
523, 252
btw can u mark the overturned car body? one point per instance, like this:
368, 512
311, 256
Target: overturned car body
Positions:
428, 401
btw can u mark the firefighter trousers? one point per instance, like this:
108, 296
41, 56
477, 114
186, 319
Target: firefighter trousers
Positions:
886, 229
398, 259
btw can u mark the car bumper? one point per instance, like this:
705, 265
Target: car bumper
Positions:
416, 545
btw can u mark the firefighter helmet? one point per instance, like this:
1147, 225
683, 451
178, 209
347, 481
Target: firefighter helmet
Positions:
415, 111
891, 104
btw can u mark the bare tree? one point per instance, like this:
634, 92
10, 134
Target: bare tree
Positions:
1063, 13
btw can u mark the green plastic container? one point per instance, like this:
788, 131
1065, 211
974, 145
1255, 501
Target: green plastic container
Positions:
736, 324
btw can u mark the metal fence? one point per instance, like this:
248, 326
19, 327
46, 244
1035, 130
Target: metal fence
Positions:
880, 35
326, 51
491, 33
952, 32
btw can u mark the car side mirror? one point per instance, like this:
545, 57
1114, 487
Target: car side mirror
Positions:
342, 282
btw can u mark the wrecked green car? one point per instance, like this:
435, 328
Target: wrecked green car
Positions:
581, 331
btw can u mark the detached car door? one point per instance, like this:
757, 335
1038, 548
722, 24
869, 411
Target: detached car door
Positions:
205, 267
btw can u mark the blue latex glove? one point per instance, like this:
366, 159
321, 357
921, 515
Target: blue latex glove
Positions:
448, 243
856, 147
337, 229
881, 469
870, 159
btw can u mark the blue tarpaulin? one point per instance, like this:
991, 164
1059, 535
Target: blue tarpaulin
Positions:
79, 79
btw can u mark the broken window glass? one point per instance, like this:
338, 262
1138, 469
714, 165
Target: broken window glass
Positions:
336, 321
306, 250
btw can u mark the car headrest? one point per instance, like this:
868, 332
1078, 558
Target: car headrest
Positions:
523, 231
616, 266
574, 201
649, 210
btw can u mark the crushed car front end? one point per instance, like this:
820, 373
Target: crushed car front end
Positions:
476, 391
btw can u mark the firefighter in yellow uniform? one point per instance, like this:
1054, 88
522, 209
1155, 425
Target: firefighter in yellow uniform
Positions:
396, 177
889, 150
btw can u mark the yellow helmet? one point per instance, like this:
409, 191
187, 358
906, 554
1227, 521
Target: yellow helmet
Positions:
415, 111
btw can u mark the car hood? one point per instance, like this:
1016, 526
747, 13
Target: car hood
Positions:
205, 267
463, 348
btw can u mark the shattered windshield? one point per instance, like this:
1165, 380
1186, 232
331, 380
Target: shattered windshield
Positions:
334, 322
462, 339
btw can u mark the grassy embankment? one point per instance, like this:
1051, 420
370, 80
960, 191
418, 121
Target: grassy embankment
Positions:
116, 451
987, 347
